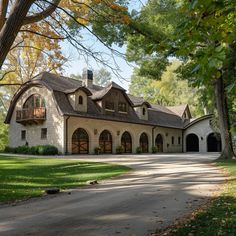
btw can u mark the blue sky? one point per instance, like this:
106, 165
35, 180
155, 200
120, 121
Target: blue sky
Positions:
79, 61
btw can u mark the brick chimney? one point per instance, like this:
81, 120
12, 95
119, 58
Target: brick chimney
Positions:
87, 78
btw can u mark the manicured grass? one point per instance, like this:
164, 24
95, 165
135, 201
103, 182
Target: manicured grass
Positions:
220, 217
22, 178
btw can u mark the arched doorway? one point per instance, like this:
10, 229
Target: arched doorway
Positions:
143, 142
159, 143
192, 143
214, 142
126, 142
105, 142
80, 142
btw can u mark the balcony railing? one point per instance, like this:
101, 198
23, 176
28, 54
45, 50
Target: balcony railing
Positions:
31, 115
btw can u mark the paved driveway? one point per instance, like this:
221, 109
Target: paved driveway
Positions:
161, 189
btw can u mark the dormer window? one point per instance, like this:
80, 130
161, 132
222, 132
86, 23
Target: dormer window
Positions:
122, 107
80, 100
144, 111
109, 106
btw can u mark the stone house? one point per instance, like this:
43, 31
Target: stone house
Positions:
78, 116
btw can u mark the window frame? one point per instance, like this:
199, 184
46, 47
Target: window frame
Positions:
122, 105
109, 109
80, 100
23, 135
44, 135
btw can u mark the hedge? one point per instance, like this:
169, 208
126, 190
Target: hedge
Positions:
34, 150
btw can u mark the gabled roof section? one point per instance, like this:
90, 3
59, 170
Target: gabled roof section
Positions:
98, 95
138, 101
179, 110
160, 108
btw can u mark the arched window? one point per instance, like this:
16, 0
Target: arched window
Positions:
105, 142
143, 142
80, 100
144, 111
34, 101
80, 142
126, 142
159, 143
192, 143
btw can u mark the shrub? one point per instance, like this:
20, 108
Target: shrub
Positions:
139, 150
119, 150
10, 149
154, 149
97, 150
23, 150
34, 150
46, 150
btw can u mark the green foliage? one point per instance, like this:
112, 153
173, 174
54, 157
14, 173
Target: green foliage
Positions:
154, 149
220, 217
3, 134
119, 150
28, 177
170, 90
138, 150
97, 150
101, 77
33, 150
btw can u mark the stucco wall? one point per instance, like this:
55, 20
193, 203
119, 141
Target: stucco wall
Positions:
54, 123
74, 101
202, 129
116, 129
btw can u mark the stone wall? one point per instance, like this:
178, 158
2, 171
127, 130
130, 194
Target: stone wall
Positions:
95, 127
54, 123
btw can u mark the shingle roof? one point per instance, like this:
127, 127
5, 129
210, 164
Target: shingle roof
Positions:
61, 86
179, 110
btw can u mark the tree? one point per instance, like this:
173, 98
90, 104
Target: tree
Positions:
67, 17
200, 34
170, 90
102, 77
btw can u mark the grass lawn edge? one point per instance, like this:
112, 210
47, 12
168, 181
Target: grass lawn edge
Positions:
201, 209
67, 190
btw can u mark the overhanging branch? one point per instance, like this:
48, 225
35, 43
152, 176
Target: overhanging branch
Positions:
43, 14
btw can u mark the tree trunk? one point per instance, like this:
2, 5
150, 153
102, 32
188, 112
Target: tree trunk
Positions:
12, 26
227, 152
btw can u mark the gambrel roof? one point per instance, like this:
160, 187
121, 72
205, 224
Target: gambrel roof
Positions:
61, 86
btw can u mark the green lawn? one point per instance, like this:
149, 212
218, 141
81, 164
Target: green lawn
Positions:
220, 217
21, 178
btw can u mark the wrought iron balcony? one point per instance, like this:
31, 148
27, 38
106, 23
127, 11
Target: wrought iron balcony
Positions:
31, 115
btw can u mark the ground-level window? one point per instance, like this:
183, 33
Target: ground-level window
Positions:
80, 142
105, 142
23, 134
179, 140
173, 140
44, 132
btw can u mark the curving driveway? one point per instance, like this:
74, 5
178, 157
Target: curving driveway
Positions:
160, 189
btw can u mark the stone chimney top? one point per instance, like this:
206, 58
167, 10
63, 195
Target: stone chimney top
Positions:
87, 78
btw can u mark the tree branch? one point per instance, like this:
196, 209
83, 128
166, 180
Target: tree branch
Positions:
43, 14
43, 35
